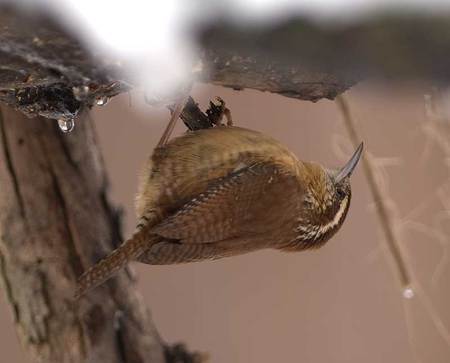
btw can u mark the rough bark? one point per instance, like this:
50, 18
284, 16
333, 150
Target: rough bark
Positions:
306, 59
55, 221
46, 71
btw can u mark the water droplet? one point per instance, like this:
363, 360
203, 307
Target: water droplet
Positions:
101, 101
408, 292
118, 316
66, 124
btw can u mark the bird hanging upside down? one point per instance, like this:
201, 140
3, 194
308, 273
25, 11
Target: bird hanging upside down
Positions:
226, 191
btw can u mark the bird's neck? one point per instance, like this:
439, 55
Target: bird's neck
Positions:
314, 229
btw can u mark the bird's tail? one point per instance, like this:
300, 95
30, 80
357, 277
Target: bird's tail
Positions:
116, 260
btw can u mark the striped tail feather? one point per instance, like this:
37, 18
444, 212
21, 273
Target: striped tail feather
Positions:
115, 261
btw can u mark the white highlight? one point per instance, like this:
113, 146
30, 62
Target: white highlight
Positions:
147, 39
408, 293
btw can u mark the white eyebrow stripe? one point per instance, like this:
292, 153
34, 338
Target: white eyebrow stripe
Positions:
335, 221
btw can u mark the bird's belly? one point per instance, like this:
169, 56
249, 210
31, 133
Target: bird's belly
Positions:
166, 253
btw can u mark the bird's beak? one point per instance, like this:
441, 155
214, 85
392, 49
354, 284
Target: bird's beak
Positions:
348, 168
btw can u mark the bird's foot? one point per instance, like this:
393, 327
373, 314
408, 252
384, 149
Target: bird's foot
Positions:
217, 110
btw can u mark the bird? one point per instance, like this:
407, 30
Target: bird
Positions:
226, 191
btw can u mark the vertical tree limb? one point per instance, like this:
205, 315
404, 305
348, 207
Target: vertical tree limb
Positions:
55, 221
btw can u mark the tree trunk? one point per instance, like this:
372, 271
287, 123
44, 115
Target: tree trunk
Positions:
55, 221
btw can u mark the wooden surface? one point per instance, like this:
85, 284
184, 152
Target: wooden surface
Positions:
55, 221
46, 70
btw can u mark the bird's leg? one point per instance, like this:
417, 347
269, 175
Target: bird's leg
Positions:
179, 106
227, 114
224, 111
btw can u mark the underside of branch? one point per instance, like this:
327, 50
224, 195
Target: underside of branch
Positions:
46, 71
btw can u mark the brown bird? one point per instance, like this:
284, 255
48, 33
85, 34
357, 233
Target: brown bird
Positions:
226, 191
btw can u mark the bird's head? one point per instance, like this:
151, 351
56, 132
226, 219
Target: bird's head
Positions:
326, 201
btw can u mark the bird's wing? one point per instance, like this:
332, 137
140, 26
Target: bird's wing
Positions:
255, 199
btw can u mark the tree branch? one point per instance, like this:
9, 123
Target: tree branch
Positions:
55, 221
46, 71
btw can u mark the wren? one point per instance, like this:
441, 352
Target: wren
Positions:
226, 191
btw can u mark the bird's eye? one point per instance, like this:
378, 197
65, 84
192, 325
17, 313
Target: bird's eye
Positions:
340, 193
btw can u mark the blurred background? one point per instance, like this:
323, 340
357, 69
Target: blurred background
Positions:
342, 303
